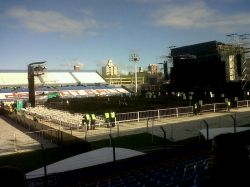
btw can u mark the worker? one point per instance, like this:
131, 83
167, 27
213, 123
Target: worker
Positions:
86, 120
195, 108
228, 105
92, 124
112, 118
107, 119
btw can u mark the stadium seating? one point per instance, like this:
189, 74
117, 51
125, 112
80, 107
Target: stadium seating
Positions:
181, 173
89, 77
14, 79
66, 119
58, 78
20, 78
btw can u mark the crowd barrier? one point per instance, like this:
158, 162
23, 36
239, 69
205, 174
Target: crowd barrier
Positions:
74, 122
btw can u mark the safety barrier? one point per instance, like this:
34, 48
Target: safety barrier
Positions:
74, 122
174, 112
241, 104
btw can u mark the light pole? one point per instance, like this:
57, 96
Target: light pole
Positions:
135, 58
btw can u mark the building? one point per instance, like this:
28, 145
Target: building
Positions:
110, 69
166, 71
153, 69
77, 68
210, 66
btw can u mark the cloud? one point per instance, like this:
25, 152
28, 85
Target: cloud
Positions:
198, 15
51, 21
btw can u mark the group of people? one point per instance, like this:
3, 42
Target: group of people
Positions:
89, 121
110, 119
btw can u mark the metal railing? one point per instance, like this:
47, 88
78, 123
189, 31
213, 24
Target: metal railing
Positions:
139, 116
168, 112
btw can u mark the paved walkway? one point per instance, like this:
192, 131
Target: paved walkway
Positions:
13, 138
176, 128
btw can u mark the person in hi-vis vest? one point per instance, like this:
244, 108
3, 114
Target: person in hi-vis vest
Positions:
93, 119
107, 118
86, 120
112, 118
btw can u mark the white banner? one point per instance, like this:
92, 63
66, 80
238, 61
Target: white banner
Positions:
66, 93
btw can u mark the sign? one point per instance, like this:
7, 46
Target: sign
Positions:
66, 93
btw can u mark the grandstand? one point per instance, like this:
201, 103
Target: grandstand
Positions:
89, 78
14, 84
57, 78
12, 79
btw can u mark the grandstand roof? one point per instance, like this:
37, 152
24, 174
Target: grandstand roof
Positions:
15, 79
20, 78
89, 77
56, 78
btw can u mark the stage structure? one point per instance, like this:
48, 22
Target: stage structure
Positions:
210, 66
34, 69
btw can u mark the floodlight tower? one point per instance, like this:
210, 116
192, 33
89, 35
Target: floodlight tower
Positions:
135, 58
34, 69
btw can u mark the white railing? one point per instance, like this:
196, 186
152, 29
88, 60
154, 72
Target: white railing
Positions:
242, 104
67, 120
174, 112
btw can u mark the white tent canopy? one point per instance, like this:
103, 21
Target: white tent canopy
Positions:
91, 158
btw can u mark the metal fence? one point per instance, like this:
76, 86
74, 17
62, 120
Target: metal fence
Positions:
75, 123
169, 112
242, 104
126, 123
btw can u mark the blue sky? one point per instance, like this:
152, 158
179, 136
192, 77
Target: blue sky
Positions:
89, 32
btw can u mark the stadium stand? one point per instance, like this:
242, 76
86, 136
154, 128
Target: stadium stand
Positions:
89, 78
174, 168
187, 166
63, 118
14, 84
15, 79
58, 78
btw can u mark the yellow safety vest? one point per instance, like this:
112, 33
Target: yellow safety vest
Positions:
112, 115
106, 115
93, 116
87, 116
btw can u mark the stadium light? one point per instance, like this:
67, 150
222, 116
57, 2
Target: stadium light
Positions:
135, 58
